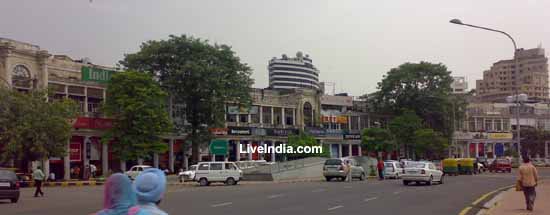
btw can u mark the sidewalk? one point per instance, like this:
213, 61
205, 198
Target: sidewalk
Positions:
513, 202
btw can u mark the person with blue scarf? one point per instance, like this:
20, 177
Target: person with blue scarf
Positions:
119, 197
150, 186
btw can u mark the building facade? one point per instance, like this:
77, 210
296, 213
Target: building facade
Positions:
489, 128
25, 66
292, 73
459, 85
504, 79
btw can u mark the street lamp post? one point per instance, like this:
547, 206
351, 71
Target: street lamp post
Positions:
516, 68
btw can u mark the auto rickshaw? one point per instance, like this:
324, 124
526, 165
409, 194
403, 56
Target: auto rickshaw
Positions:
466, 166
450, 166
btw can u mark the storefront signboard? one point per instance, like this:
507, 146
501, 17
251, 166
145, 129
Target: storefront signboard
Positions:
218, 147
239, 131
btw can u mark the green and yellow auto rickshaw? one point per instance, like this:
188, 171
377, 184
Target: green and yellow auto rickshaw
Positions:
450, 166
466, 166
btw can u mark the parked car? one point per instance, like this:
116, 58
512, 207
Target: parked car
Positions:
188, 175
336, 168
136, 170
501, 165
9, 185
422, 172
226, 172
392, 169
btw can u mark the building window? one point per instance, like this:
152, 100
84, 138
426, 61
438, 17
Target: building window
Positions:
21, 77
308, 114
266, 115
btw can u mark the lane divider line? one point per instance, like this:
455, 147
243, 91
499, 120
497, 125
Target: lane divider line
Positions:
222, 204
370, 199
275, 196
335, 207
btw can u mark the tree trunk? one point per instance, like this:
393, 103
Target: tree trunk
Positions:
194, 146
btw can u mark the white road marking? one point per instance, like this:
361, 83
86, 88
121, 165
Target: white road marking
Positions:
222, 204
275, 196
318, 190
335, 207
370, 199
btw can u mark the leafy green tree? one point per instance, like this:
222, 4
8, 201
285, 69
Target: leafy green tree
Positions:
430, 144
377, 140
305, 140
137, 105
199, 76
33, 128
403, 129
420, 87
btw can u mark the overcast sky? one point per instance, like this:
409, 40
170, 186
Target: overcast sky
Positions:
352, 42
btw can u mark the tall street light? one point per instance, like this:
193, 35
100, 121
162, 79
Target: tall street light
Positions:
516, 68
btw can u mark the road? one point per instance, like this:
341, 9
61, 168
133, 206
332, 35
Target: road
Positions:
376, 197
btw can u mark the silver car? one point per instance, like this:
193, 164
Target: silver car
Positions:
336, 168
392, 169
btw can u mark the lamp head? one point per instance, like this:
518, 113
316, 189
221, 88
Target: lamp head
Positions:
456, 21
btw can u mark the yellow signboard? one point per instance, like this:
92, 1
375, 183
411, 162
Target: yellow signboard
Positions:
500, 136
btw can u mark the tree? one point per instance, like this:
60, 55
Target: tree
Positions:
33, 128
533, 141
199, 76
430, 143
423, 88
403, 129
305, 140
137, 106
377, 139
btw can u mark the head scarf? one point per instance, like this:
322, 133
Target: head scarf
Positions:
118, 195
150, 185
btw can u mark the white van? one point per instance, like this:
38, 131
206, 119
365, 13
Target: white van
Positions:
226, 172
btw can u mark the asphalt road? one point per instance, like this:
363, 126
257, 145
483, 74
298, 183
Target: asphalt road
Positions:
373, 197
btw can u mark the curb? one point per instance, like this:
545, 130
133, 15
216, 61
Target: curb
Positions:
483, 209
495, 200
67, 184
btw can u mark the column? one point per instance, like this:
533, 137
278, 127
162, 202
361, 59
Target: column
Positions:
261, 156
249, 145
349, 122
468, 149
46, 167
350, 150
273, 151
475, 124
86, 100
283, 117
123, 166
359, 149
86, 169
294, 116
477, 150
171, 155
359, 124
67, 162
238, 151
260, 109
546, 149
249, 118
339, 150
368, 121
494, 150
272, 114
105, 160
156, 160
184, 157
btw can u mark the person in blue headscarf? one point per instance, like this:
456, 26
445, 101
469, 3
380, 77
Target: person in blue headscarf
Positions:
119, 197
150, 186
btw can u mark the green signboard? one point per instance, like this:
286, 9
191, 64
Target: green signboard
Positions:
96, 74
218, 147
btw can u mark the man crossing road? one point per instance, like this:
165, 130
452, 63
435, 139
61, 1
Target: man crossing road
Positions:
38, 177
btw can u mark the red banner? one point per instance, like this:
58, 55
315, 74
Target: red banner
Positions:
93, 123
75, 152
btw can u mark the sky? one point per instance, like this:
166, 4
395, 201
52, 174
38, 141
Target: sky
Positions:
352, 42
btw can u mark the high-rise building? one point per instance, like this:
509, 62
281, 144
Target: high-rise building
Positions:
504, 79
459, 85
291, 73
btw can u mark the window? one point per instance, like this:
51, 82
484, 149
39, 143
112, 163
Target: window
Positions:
216, 166
203, 166
21, 76
243, 118
266, 115
230, 166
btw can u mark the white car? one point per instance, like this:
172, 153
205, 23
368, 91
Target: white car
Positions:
188, 175
392, 169
136, 170
226, 172
422, 172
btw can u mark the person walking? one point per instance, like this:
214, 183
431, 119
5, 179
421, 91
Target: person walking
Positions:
380, 167
528, 178
349, 177
150, 186
119, 198
93, 170
38, 177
